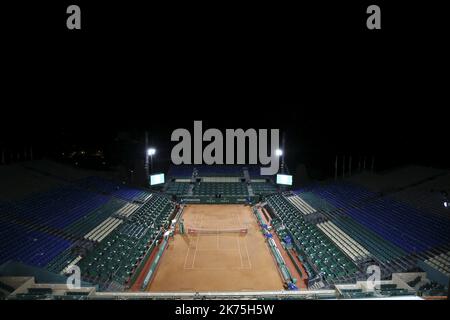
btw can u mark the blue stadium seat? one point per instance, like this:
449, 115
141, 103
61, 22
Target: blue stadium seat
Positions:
20, 243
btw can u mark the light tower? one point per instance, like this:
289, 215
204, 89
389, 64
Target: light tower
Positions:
151, 152
146, 159
279, 154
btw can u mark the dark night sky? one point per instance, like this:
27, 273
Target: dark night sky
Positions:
313, 72
313, 137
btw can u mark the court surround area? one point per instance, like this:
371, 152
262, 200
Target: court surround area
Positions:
236, 260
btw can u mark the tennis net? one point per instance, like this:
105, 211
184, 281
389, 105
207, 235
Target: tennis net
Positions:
217, 231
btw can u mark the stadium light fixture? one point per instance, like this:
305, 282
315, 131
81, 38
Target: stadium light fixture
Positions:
278, 152
151, 152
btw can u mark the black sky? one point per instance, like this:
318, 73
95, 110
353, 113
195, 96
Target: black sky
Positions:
313, 71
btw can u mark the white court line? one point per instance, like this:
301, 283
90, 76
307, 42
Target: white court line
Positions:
248, 255
239, 245
246, 248
218, 241
187, 255
196, 244
221, 268
189, 245
240, 253
215, 250
201, 217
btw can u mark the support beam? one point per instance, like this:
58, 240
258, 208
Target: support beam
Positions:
146, 164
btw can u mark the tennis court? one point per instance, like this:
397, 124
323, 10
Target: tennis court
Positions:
222, 250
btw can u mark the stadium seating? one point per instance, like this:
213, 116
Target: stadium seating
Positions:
234, 189
60, 262
343, 195
384, 252
23, 244
357, 295
337, 229
115, 259
224, 181
301, 204
389, 229
263, 188
103, 230
42, 229
178, 188
219, 171
387, 215
88, 222
321, 255
348, 245
113, 188
433, 289
391, 290
58, 208
126, 210
440, 263
404, 226
315, 201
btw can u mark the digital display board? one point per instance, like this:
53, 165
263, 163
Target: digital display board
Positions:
156, 179
284, 179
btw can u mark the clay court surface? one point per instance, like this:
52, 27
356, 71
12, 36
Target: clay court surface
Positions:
217, 262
